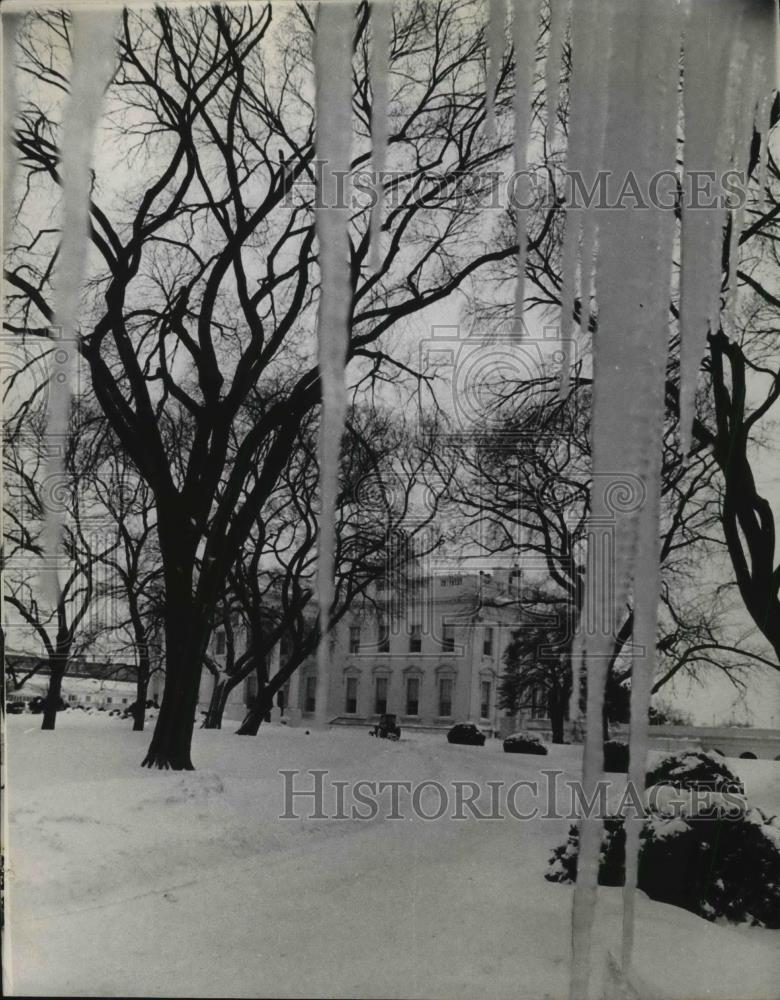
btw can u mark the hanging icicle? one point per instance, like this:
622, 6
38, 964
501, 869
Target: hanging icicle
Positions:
586, 148
333, 125
496, 43
629, 367
581, 89
379, 68
633, 273
739, 33
93, 67
552, 72
661, 32
762, 126
9, 24
525, 18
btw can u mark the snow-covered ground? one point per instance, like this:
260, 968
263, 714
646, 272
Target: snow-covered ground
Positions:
126, 882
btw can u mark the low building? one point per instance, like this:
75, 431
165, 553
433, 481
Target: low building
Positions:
87, 692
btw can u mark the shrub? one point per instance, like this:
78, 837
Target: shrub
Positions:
524, 743
616, 756
715, 867
694, 769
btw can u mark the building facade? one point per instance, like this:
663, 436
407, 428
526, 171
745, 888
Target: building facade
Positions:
431, 653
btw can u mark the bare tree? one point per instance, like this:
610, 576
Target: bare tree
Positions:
379, 525
133, 592
207, 279
59, 619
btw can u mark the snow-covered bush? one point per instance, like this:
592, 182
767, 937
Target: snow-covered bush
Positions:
694, 769
524, 743
715, 867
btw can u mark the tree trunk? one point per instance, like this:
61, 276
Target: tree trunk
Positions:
219, 697
144, 668
141, 691
556, 706
172, 738
186, 635
257, 713
57, 665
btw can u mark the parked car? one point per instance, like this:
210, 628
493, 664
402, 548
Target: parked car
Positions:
467, 734
524, 743
387, 728
15, 707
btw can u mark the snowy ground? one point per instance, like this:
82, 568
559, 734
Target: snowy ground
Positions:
129, 883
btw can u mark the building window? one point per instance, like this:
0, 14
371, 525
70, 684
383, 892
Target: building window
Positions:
108, 701
354, 638
124, 701
415, 639
221, 643
448, 639
88, 698
412, 695
445, 696
310, 694
384, 637
484, 701
380, 696
487, 642
350, 702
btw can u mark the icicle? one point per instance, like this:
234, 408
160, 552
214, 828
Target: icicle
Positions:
763, 127
496, 42
646, 587
739, 162
581, 92
333, 109
10, 26
660, 73
594, 114
588, 116
524, 26
708, 90
93, 67
558, 13
635, 265
381, 42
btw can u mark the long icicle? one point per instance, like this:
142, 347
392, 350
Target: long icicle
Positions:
594, 109
708, 72
634, 269
583, 25
525, 17
93, 67
496, 43
558, 16
661, 30
379, 68
333, 110
629, 368
591, 158
10, 27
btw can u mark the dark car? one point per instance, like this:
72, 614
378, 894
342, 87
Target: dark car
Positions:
387, 728
524, 743
15, 707
467, 734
